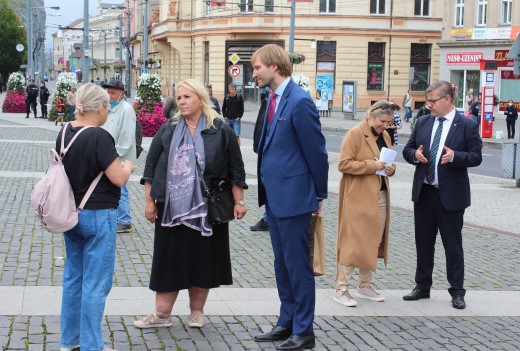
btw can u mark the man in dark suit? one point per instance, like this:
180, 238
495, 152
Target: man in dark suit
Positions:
442, 146
292, 182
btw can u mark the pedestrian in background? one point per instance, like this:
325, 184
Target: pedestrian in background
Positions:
213, 99
60, 110
121, 124
233, 109
442, 147
395, 125
292, 183
170, 107
474, 109
511, 117
262, 224
91, 245
71, 103
469, 101
31, 99
364, 204
407, 104
44, 98
189, 252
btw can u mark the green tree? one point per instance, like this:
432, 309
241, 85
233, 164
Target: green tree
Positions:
11, 34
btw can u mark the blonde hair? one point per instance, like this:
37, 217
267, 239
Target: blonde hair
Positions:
91, 97
199, 89
273, 54
382, 107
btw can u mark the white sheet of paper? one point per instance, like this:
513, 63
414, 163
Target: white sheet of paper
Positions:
387, 156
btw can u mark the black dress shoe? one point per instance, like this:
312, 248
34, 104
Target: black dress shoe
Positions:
261, 226
277, 333
296, 343
417, 294
457, 302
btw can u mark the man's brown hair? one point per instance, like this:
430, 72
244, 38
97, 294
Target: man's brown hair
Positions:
273, 54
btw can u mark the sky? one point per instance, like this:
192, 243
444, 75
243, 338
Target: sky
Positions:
70, 10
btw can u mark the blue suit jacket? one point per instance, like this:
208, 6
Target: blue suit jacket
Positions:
464, 139
292, 158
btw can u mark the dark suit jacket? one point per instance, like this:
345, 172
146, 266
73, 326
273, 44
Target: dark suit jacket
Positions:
292, 159
464, 139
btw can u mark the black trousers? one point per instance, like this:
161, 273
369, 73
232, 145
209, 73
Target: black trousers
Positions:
510, 129
31, 104
43, 105
430, 217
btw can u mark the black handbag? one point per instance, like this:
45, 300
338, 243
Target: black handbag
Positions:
221, 204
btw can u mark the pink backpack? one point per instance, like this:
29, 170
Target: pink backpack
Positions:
52, 197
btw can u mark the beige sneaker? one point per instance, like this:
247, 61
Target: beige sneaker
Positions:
368, 292
73, 348
152, 321
343, 298
196, 319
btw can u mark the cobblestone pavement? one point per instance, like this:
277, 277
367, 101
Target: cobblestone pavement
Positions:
31, 257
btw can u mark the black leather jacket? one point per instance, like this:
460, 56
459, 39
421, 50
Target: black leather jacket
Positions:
32, 92
222, 157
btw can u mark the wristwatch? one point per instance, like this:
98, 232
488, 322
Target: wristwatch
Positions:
240, 202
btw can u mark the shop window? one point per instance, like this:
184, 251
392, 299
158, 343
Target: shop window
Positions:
459, 14
505, 17
246, 5
377, 7
481, 13
269, 6
422, 8
420, 66
327, 6
376, 66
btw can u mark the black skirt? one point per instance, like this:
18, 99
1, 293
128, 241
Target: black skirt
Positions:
183, 258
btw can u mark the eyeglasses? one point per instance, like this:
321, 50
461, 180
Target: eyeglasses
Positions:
431, 102
385, 106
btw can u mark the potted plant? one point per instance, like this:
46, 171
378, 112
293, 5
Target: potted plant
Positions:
148, 105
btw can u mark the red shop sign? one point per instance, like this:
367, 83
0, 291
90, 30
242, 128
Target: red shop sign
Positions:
464, 57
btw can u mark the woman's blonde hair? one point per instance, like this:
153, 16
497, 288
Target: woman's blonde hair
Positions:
91, 97
199, 89
382, 107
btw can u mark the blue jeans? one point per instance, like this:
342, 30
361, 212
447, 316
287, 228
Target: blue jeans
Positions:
408, 113
87, 278
123, 210
235, 125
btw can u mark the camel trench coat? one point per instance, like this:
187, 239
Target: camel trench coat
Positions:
359, 219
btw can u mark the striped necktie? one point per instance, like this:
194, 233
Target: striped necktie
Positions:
434, 148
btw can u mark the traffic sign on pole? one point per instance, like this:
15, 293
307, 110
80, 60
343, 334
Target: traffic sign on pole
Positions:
144, 71
234, 71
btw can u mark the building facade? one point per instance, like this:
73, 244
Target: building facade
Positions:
476, 30
385, 47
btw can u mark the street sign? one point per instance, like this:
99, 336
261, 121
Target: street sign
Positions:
234, 58
144, 71
234, 71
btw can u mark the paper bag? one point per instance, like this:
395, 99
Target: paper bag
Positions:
317, 245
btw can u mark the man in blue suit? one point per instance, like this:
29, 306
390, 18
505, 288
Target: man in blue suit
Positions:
442, 146
293, 171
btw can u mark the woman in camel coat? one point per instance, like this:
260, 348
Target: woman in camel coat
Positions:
364, 203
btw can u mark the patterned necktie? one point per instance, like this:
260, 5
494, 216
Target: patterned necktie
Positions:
430, 173
272, 108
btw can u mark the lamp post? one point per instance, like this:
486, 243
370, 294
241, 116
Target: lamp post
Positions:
30, 54
145, 34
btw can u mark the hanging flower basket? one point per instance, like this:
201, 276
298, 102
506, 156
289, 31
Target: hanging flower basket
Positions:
296, 58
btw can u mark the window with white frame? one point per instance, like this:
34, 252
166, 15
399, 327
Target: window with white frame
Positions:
422, 8
246, 5
327, 6
459, 13
377, 7
269, 6
506, 12
481, 12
